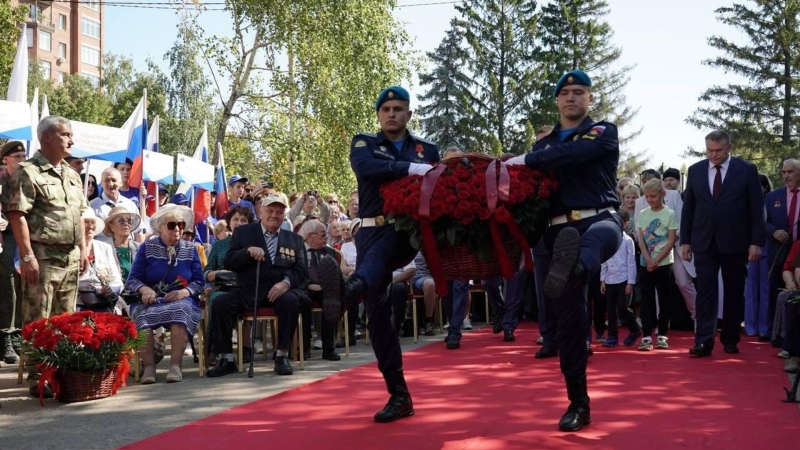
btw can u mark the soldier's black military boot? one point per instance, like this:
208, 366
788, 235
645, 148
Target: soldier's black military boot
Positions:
7, 348
354, 290
578, 413
566, 271
399, 404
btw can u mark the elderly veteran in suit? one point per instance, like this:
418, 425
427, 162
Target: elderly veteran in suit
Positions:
280, 277
722, 228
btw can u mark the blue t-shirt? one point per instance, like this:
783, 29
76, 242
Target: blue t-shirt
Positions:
398, 145
563, 133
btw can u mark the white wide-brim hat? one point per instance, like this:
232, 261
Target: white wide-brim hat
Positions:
169, 210
99, 225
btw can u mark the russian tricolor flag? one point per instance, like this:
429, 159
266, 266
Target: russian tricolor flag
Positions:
221, 204
136, 125
202, 197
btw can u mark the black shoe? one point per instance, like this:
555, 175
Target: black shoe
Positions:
497, 321
223, 367
700, 350
340, 344
247, 355
306, 355
429, 330
282, 366
546, 352
578, 413
399, 404
453, 342
354, 290
508, 336
764, 338
330, 280
34, 391
331, 355
732, 349
565, 268
497, 327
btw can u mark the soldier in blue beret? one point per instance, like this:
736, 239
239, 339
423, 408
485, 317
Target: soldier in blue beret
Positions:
584, 229
376, 159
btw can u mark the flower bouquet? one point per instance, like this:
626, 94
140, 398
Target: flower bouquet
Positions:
83, 355
472, 216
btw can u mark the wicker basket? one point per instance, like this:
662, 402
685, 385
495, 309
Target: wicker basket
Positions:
75, 386
459, 263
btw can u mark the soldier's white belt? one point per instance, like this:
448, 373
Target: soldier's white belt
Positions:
375, 221
578, 214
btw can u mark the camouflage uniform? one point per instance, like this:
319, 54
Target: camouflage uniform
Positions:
9, 303
52, 205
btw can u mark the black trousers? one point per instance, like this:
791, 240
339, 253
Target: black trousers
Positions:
619, 305
398, 296
598, 302
734, 274
228, 307
659, 280
327, 330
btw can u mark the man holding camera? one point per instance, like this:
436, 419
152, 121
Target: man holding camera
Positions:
307, 204
376, 159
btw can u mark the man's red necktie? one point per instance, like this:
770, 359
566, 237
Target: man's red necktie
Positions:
717, 182
792, 212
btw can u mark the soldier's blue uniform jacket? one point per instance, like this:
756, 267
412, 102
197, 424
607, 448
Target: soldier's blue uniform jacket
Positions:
375, 160
585, 164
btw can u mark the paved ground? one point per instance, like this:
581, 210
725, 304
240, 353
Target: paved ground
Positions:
137, 412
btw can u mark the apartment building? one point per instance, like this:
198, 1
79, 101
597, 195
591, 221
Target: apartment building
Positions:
66, 37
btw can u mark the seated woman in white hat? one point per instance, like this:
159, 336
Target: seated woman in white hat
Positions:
99, 287
166, 273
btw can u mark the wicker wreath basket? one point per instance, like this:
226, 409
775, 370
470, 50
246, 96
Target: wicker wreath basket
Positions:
460, 263
76, 386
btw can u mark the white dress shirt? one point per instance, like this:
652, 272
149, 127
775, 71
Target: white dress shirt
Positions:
103, 205
712, 173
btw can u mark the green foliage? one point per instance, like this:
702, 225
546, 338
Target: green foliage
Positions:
10, 17
761, 111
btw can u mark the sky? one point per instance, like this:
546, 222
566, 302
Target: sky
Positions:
665, 44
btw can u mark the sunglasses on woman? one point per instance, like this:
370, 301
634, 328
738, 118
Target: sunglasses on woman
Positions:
124, 221
171, 225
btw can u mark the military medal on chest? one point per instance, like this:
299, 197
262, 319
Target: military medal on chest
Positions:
420, 153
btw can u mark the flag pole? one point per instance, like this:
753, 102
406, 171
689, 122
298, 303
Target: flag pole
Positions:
86, 178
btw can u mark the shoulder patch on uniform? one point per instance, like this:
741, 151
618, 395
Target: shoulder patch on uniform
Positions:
595, 131
360, 143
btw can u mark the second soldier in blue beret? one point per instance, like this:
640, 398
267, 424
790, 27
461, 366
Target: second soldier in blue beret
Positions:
584, 228
388, 155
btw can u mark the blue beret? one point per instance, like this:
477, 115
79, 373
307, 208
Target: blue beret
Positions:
391, 93
573, 77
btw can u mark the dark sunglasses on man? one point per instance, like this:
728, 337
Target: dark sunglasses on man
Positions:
333, 202
171, 225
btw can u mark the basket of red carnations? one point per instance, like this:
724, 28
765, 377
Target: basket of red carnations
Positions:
83, 355
472, 216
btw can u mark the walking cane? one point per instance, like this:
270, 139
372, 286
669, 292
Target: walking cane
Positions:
253, 327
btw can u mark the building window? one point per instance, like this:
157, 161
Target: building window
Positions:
35, 13
90, 55
44, 67
62, 22
93, 78
29, 36
90, 28
62, 50
92, 4
45, 39
60, 77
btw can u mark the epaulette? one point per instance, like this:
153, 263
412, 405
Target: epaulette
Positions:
425, 141
365, 134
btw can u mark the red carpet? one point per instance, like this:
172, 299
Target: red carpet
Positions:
493, 395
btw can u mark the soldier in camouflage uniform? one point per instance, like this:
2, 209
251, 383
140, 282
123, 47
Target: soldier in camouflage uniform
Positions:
11, 155
45, 206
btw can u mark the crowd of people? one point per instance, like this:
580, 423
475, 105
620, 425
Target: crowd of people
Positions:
613, 246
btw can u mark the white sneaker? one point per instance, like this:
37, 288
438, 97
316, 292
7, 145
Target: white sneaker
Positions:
235, 337
467, 324
540, 340
188, 350
358, 333
318, 344
259, 347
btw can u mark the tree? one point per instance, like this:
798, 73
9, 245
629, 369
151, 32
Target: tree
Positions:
124, 86
760, 112
444, 119
502, 52
10, 18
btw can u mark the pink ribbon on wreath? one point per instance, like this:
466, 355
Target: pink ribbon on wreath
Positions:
428, 238
498, 186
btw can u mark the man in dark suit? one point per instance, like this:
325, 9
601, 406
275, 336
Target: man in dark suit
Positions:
781, 234
282, 277
325, 279
722, 227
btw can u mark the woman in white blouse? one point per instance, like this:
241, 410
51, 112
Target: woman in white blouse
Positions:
103, 279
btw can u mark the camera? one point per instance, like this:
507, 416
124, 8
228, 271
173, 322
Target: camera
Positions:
312, 192
268, 184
